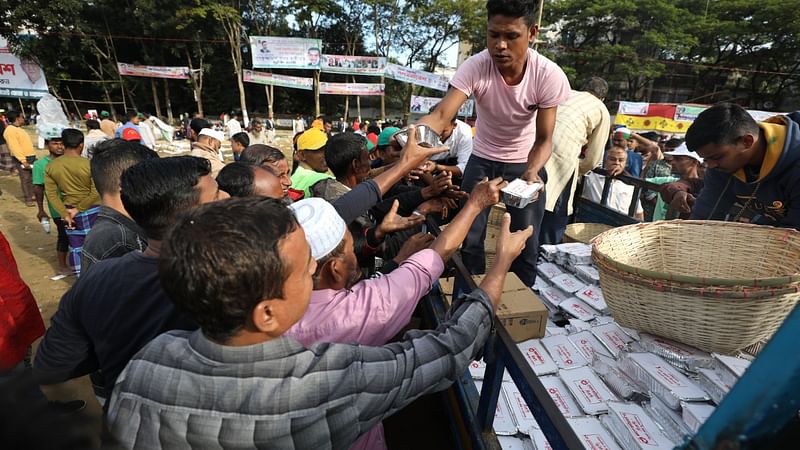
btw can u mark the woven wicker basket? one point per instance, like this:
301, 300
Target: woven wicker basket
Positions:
584, 232
719, 286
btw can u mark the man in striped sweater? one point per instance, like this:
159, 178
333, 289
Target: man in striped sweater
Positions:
238, 382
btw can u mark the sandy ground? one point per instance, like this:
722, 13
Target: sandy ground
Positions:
35, 253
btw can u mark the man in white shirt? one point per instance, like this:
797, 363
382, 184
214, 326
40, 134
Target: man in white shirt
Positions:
257, 134
234, 126
269, 126
298, 125
146, 129
458, 137
621, 194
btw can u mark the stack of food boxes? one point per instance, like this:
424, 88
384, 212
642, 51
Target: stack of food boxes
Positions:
617, 388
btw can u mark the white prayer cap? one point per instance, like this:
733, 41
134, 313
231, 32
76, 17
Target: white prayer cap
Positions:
323, 226
212, 133
683, 150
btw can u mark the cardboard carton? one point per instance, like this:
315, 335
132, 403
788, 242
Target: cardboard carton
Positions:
521, 311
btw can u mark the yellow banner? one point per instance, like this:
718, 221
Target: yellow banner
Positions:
654, 123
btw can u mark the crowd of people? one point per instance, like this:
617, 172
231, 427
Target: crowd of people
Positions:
261, 302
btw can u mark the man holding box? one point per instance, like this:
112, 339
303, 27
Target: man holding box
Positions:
516, 92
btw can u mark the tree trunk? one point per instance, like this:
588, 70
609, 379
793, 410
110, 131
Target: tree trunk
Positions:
101, 76
198, 98
407, 103
197, 81
383, 101
156, 103
60, 99
358, 107
131, 98
74, 103
346, 108
168, 101
242, 100
270, 90
316, 94
109, 102
122, 89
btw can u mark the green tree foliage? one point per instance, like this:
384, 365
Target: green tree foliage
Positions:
709, 50
760, 40
713, 50
624, 40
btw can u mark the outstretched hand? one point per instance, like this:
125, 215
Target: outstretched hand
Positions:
487, 192
392, 222
415, 154
510, 245
415, 243
438, 205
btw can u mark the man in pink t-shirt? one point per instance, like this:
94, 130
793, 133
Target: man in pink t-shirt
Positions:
516, 92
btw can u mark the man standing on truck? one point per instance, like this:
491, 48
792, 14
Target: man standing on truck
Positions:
515, 89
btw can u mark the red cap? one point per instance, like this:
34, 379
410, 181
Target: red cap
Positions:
295, 195
130, 134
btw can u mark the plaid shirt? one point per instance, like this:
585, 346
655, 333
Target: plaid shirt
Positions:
183, 390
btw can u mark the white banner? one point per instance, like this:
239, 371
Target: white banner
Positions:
633, 108
687, 113
760, 116
353, 65
20, 78
251, 76
135, 70
351, 88
285, 52
423, 105
418, 77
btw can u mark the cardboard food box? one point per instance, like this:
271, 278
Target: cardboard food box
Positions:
521, 311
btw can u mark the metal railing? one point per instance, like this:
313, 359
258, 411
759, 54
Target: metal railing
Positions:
500, 353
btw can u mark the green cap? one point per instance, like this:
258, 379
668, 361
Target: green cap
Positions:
370, 145
386, 134
104, 114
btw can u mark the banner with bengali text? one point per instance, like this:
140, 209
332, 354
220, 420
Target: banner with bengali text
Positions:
423, 105
135, 70
20, 78
418, 77
633, 108
285, 52
353, 65
351, 88
688, 112
287, 81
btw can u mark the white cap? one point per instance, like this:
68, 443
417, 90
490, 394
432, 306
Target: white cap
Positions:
683, 150
212, 133
323, 226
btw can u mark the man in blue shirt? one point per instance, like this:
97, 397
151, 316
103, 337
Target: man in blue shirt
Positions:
133, 122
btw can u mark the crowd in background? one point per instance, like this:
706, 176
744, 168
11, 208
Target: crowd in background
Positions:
262, 301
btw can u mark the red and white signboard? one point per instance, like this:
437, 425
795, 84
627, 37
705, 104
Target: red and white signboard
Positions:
135, 70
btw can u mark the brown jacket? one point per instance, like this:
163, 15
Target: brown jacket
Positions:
204, 151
